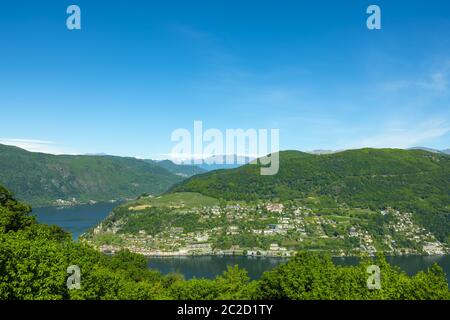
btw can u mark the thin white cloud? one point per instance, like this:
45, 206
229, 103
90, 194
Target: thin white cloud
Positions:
189, 32
405, 136
396, 85
438, 80
207, 45
33, 145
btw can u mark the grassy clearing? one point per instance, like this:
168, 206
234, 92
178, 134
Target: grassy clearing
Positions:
174, 200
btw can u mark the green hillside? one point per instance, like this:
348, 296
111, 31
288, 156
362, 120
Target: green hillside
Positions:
413, 180
34, 259
40, 179
187, 223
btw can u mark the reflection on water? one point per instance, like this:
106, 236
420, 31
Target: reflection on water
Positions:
211, 266
409, 264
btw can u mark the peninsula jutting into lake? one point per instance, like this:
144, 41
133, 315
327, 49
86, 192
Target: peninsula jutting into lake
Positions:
320, 211
249, 152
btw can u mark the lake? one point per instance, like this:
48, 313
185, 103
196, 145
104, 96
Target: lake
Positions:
211, 266
79, 219
76, 219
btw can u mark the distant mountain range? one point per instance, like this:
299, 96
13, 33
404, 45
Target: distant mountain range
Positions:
44, 179
182, 170
320, 151
224, 162
216, 162
96, 154
446, 151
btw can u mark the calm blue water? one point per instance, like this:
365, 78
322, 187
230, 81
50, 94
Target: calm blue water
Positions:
211, 266
77, 219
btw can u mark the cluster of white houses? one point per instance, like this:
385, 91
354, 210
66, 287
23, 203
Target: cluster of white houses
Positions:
175, 241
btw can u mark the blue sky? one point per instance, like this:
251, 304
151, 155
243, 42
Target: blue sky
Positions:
136, 72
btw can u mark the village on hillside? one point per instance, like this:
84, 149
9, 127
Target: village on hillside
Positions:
264, 229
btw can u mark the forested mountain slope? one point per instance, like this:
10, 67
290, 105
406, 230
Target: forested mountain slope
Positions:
41, 179
413, 180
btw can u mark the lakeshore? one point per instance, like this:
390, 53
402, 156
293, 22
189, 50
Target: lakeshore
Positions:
79, 219
211, 266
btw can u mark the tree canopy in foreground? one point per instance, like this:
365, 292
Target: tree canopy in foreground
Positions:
34, 259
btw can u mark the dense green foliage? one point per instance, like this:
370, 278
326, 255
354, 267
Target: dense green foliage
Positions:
34, 259
40, 179
412, 180
309, 276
